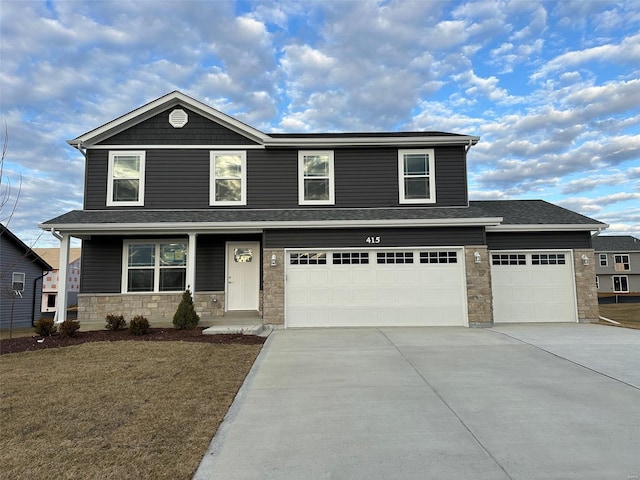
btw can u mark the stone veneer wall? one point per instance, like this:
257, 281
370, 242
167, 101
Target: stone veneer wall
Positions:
586, 292
273, 287
159, 308
479, 293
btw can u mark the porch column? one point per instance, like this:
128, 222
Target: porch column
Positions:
191, 264
63, 274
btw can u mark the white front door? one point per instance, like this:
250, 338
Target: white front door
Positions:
243, 275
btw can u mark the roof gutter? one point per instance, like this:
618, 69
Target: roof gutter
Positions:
468, 141
547, 228
180, 227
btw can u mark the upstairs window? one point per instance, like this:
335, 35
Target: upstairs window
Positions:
126, 179
416, 176
603, 259
228, 184
621, 262
315, 178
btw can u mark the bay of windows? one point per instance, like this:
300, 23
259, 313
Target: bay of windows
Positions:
155, 266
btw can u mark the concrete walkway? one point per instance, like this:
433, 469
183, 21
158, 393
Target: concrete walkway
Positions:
510, 402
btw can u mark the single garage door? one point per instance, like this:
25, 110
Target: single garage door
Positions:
533, 287
406, 287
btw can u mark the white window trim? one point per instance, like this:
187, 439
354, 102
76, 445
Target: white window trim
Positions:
622, 262
243, 177
117, 153
301, 177
603, 260
23, 280
432, 176
597, 283
613, 283
156, 268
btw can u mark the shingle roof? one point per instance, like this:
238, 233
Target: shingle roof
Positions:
533, 212
615, 243
512, 212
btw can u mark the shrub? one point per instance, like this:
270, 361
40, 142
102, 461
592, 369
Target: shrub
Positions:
186, 316
115, 322
69, 327
46, 327
138, 325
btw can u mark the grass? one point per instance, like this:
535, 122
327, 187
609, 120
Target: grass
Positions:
628, 314
17, 333
120, 410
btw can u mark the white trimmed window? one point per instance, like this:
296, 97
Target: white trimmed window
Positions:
228, 184
154, 266
315, 178
620, 284
603, 259
621, 262
597, 283
416, 176
18, 280
125, 185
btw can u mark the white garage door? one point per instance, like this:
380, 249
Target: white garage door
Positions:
533, 287
375, 288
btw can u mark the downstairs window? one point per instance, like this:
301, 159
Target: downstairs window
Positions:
154, 266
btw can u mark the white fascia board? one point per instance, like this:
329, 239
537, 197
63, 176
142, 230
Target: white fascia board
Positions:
151, 108
370, 141
547, 228
97, 228
175, 147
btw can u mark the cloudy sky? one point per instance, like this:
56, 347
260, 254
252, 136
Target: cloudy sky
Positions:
552, 88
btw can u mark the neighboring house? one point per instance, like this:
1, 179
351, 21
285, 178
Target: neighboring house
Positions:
617, 265
20, 281
312, 229
52, 279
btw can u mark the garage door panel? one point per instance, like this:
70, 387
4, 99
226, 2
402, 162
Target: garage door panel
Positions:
377, 294
537, 291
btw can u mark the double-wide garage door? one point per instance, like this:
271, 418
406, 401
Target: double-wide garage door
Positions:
349, 287
530, 286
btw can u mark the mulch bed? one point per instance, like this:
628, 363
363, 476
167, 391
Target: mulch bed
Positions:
36, 342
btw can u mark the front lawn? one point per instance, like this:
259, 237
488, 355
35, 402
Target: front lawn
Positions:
626, 313
115, 410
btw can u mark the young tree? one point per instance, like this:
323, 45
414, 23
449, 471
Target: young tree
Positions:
186, 316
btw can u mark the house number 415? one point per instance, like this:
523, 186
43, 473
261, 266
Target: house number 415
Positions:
373, 240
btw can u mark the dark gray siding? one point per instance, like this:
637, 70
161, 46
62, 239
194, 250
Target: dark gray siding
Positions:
101, 266
210, 253
12, 259
364, 177
158, 131
389, 237
541, 240
102, 262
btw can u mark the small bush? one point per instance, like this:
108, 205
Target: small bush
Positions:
186, 316
46, 327
115, 322
69, 327
138, 325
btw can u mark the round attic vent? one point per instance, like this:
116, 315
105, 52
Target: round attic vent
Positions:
178, 118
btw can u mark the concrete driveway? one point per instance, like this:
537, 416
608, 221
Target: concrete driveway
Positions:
511, 402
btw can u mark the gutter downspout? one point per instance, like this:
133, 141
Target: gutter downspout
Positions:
33, 303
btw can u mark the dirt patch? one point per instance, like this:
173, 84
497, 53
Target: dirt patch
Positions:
36, 342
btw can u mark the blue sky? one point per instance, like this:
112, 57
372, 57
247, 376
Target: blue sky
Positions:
552, 88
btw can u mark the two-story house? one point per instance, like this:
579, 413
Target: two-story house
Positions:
301, 230
617, 266
51, 280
